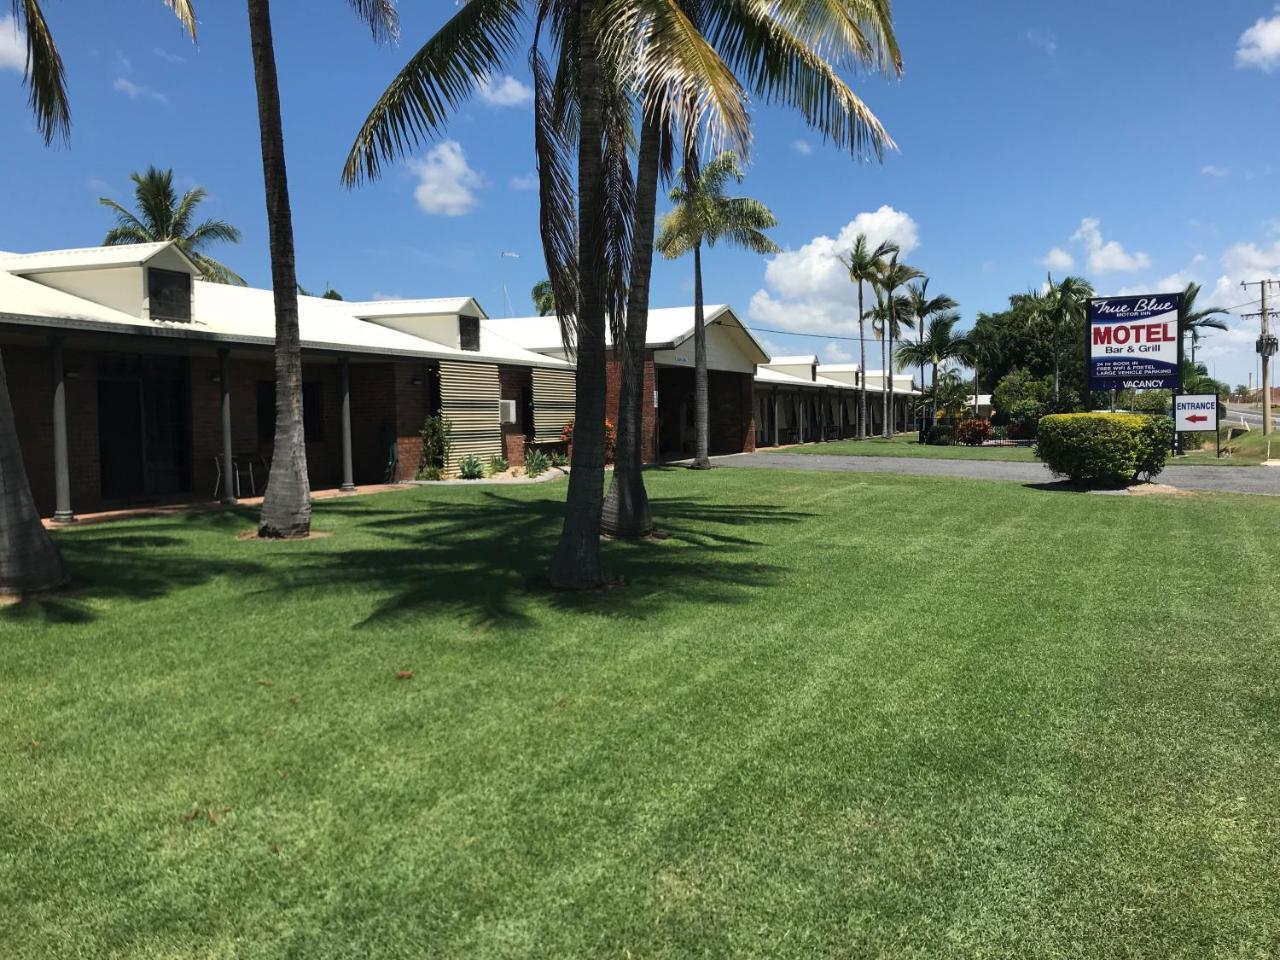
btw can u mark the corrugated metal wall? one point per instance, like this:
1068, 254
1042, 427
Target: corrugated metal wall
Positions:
553, 398
469, 396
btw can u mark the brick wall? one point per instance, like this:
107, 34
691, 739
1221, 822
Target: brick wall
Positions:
613, 386
733, 428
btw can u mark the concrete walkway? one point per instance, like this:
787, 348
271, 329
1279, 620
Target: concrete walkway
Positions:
1261, 480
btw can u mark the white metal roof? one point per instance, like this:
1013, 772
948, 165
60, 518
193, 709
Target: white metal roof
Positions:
85, 258
667, 326
792, 361
225, 313
425, 306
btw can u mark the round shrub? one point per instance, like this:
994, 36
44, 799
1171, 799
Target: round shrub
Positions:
973, 433
471, 468
1104, 449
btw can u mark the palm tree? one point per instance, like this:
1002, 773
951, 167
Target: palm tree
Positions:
1063, 303
286, 506
163, 216
893, 276
888, 320
864, 265
29, 560
703, 214
1193, 321
924, 307
544, 297
775, 65
939, 345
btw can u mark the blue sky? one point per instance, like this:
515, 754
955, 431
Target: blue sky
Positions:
1132, 142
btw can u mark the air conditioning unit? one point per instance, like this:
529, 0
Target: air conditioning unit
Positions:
508, 411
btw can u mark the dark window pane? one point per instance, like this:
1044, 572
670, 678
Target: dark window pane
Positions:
266, 411
170, 294
312, 411
469, 333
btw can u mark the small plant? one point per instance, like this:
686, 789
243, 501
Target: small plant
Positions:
471, 468
536, 463
498, 465
1104, 449
431, 473
557, 458
437, 441
610, 438
973, 433
999, 432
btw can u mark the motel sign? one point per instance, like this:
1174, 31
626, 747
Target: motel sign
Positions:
1133, 342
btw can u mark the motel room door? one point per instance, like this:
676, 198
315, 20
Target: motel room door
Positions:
143, 430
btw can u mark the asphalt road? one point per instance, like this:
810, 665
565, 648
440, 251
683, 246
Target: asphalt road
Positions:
1259, 480
1232, 415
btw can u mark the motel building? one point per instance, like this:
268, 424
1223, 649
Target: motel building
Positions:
800, 400
134, 383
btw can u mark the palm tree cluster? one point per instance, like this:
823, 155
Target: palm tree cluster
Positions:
902, 303
682, 71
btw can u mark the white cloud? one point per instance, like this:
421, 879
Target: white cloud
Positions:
446, 183
1213, 170
168, 57
13, 45
526, 181
1107, 256
1059, 259
1043, 39
835, 351
802, 147
1259, 46
135, 91
505, 91
808, 288
379, 295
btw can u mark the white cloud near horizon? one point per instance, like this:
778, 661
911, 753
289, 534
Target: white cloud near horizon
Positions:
808, 290
1213, 170
1259, 46
136, 91
504, 91
13, 45
446, 182
1107, 256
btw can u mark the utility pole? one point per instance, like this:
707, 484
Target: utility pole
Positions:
1266, 347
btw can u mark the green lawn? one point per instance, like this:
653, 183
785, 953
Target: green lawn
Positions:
905, 445
832, 716
1246, 450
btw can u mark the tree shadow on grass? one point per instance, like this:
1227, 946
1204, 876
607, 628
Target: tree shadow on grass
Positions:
139, 563
484, 560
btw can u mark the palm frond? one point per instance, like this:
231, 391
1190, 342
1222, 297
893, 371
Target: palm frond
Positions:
436, 80
122, 234
670, 54
181, 224
780, 67
212, 231
619, 199
380, 16
186, 14
216, 272
557, 219
846, 32
44, 73
127, 224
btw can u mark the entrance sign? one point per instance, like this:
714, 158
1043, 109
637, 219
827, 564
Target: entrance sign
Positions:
1133, 342
1196, 413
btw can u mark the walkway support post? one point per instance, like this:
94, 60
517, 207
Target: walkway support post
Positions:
229, 478
344, 368
777, 415
62, 512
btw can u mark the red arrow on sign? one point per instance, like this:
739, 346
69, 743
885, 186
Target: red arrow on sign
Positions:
1197, 418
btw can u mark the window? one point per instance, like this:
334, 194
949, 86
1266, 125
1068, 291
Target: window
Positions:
170, 294
312, 411
469, 333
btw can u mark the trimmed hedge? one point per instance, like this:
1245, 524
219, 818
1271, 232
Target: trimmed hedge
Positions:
1104, 449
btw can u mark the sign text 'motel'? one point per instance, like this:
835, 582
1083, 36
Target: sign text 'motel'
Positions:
1133, 342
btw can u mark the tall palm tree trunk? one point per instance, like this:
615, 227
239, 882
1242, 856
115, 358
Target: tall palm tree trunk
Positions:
862, 367
888, 372
920, 341
29, 560
884, 429
286, 507
934, 403
701, 408
626, 511
575, 563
